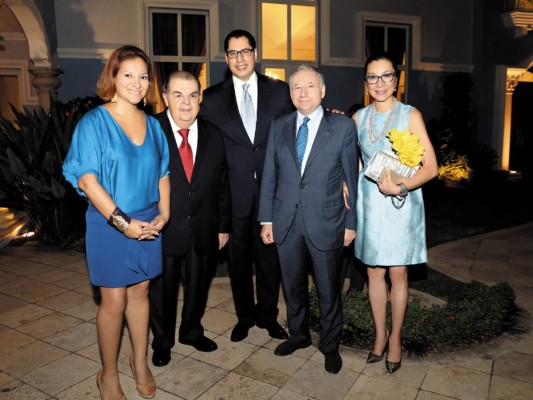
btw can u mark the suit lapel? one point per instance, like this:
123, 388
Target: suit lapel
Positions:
233, 110
201, 149
323, 136
175, 158
263, 119
289, 132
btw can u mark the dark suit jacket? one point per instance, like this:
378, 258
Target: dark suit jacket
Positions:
201, 209
219, 107
318, 193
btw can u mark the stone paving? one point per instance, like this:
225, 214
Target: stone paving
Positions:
48, 346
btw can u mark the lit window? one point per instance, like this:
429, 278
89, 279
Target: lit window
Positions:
274, 33
179, 42
288, 35
276, 73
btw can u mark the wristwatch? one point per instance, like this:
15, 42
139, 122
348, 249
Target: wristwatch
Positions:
403, 190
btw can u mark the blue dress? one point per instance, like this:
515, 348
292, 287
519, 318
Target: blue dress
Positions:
130, 174
387, 236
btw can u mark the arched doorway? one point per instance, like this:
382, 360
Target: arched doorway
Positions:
44, 73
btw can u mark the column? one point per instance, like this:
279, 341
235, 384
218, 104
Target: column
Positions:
46, 81
513, 76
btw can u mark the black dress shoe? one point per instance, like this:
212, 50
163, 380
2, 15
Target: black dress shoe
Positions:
374, 358
392, 367
332, 361
288, 347
201, 343
240, 331
161, 358
274, 329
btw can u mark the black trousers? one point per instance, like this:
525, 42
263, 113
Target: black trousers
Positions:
196, 272
295, 253
246, 249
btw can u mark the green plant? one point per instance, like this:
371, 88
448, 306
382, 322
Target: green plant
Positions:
32, 150
465, 320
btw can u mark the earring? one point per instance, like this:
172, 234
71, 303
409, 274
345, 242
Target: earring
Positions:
114, 99
144, 101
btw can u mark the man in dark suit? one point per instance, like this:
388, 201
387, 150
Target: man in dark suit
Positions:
243, 107
200, 219
309, 155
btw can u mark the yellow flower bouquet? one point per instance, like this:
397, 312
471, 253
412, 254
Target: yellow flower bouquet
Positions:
403, 164
407, 147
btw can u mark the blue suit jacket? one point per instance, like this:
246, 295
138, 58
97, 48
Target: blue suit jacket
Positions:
318, 193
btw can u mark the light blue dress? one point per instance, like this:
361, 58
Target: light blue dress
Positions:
387, 236
130, 174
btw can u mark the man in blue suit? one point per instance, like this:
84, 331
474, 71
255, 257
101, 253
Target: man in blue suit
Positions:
310, 153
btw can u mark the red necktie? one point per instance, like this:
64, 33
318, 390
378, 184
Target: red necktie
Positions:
186, 153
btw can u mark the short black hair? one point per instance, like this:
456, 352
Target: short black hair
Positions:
237, 33
381, 55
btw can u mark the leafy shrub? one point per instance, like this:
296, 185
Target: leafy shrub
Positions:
32, 150
466, 319
460, 156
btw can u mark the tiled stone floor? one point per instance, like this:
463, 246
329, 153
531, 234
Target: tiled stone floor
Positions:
48, 346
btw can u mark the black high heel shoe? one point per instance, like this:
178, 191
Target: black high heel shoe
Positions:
392, 367
374, 358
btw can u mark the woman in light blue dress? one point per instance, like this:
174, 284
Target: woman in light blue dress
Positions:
390, 217
118, 160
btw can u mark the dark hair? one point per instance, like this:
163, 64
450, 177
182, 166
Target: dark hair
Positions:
237, 33
183, 75
381, 55
105, 88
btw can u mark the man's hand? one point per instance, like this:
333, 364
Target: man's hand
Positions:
222, 240
349, 237
345, 194
266, 234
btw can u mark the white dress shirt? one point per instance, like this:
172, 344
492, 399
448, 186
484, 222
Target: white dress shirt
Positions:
237, 85
192, 138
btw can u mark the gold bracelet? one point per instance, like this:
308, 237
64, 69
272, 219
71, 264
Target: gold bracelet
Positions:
119, 220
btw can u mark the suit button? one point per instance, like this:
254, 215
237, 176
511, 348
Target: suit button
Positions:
296, 205
189, 193
255, 148
302, 186
188, 218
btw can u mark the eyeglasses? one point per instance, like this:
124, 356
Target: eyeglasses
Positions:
244, 52
385, 78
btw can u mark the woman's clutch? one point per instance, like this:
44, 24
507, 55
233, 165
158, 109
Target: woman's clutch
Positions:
381, 160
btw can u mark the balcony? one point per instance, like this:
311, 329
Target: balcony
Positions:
519, 15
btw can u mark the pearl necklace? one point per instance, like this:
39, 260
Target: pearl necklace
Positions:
371, 136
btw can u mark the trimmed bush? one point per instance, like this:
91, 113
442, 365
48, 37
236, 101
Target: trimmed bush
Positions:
473, 315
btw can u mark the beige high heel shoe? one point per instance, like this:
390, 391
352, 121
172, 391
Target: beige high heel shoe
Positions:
99, 385
146, 391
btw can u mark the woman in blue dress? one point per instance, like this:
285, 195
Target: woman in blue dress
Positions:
118, 159
390, 216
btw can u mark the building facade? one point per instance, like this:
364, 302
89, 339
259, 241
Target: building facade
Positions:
60, 46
